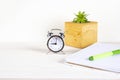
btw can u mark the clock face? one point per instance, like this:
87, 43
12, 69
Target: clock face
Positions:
55, 43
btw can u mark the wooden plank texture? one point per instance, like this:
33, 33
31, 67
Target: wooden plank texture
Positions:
80, 35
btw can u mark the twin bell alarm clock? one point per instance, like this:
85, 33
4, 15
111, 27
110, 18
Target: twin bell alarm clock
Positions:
55, 42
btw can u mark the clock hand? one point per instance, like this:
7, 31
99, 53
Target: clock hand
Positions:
54, 43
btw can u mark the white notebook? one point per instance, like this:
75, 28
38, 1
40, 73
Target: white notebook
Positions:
111, 63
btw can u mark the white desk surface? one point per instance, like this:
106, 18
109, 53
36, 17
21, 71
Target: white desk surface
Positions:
26, 61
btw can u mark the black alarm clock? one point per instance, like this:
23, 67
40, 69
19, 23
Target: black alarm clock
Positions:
55, 43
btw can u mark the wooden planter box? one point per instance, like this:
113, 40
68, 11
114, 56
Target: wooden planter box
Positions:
80, 35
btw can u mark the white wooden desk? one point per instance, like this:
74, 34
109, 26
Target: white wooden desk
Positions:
26, 61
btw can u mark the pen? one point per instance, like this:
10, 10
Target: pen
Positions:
103, 55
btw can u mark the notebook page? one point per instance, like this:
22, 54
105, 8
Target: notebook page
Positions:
110, 63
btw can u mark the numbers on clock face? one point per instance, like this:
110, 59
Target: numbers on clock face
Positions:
55, 43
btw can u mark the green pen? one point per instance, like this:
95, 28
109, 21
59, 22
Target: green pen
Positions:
103, 55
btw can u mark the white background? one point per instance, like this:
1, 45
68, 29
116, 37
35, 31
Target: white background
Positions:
29, 20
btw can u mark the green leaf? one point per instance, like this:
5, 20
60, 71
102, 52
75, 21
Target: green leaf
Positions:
81, 17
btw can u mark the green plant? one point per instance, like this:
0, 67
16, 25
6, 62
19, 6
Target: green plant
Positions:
80, 17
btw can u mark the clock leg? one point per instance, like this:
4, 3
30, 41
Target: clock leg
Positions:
48, 52
62, 52
54, 53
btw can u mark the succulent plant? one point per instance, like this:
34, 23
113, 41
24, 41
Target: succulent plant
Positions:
81, 17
